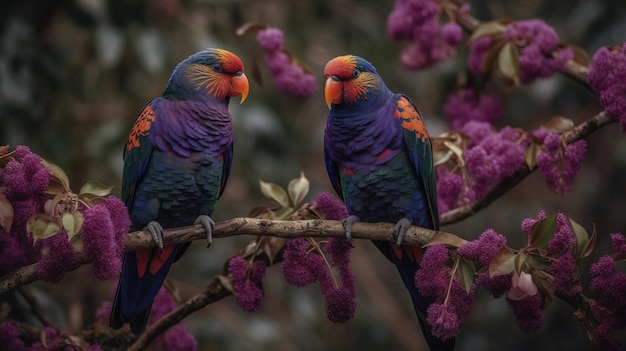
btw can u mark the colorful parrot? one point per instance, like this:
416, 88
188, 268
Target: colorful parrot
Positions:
379, 159
176, 163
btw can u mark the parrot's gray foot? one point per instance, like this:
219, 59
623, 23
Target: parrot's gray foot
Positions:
347, 225
208, 225
400, 229
156, 230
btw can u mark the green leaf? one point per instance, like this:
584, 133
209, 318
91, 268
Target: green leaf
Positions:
94, 187
6, 213
487, 28
538, 262
590, 244
274, 192
281, 213
42, 226
530, 155
582, 238
447, 239
59, 182
520, 260
503, 263
466, 272
298, 188
543, 232
508, 63
72, 222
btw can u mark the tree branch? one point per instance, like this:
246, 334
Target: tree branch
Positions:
578, 132
243, 226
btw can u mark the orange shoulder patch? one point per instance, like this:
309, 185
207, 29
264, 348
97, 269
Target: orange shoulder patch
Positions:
411, 119
141, 127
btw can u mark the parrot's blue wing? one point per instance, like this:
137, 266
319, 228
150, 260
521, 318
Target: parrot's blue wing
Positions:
419, 150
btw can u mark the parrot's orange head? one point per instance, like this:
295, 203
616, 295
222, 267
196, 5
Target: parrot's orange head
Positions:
211, 72
348, 79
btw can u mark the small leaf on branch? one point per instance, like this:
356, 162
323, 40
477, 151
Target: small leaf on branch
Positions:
274, 192
95, 188
59, 182
508, 62
72, 222
530, 155
298, 188
466, 272
582, 238
42, 226
487, 28
502, 263
447, 239
543, 232
6, 213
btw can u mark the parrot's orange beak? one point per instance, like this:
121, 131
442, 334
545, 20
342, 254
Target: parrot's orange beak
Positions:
239, 86
333, 91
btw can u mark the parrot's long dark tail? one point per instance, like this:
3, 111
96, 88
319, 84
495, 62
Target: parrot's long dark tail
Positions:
407, 266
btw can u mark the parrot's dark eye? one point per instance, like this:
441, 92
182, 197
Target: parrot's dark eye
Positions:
217, 67
355, 73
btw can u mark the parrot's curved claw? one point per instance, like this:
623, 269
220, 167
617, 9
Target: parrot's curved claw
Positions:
400, 229
156, 230
208, 225
347, 225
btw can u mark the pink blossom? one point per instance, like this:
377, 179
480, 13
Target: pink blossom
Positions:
522, 286
445, 322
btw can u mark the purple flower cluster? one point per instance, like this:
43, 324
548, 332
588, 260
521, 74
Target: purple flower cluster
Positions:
478, 49
488, 158
563, 268
563, 238
332, 208
528, 312
452, 302
470, 105
539, 57
430, 42
607, 77
559, 164
608, 286
497, 285
247, 281
51, 339
619, 243
23, 181
289, 76
102, 235
304, 265
483, 250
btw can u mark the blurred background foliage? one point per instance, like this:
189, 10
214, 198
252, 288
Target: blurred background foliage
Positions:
74, 73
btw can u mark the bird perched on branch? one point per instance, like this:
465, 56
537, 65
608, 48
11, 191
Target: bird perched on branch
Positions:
176, 163
379, 159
